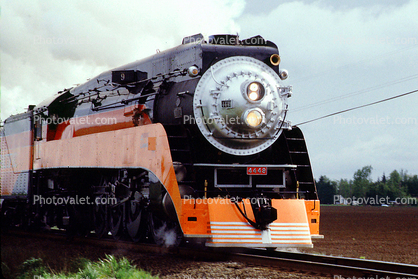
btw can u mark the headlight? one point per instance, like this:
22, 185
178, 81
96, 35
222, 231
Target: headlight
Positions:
253, 118
255, 91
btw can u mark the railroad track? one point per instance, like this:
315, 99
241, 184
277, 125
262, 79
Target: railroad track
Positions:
335, 267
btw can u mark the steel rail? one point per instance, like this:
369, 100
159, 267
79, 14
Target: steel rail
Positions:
337, 267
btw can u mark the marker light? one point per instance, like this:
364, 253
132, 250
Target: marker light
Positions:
255, 91
193, 71
283, 74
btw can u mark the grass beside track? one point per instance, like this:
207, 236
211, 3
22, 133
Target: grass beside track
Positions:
109, 267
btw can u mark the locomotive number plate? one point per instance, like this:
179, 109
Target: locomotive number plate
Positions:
256, 170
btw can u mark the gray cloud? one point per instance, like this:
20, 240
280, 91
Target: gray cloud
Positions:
49, 45
331, 50
254, 7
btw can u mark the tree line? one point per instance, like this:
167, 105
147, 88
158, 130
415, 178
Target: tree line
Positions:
396, 185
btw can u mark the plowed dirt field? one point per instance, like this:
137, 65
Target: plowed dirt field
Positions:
377, 233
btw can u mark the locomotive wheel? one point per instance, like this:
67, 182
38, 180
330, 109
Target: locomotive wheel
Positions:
9, 215
80, 221
116, 221
100, 220
135, 214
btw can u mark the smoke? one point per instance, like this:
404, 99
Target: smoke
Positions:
167, 236
292, 250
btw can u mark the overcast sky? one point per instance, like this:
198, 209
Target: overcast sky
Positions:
339, 54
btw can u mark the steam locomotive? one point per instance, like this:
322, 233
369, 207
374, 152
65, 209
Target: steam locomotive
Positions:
191, 144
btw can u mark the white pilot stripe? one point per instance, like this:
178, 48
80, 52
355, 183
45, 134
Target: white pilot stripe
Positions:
259, 233
236, 232
290, 229
258, 242
289, 224
224, 233
233, 227
236, 236
291, 236
278, 230
291, 233
291, 241
242, 225
229, 223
